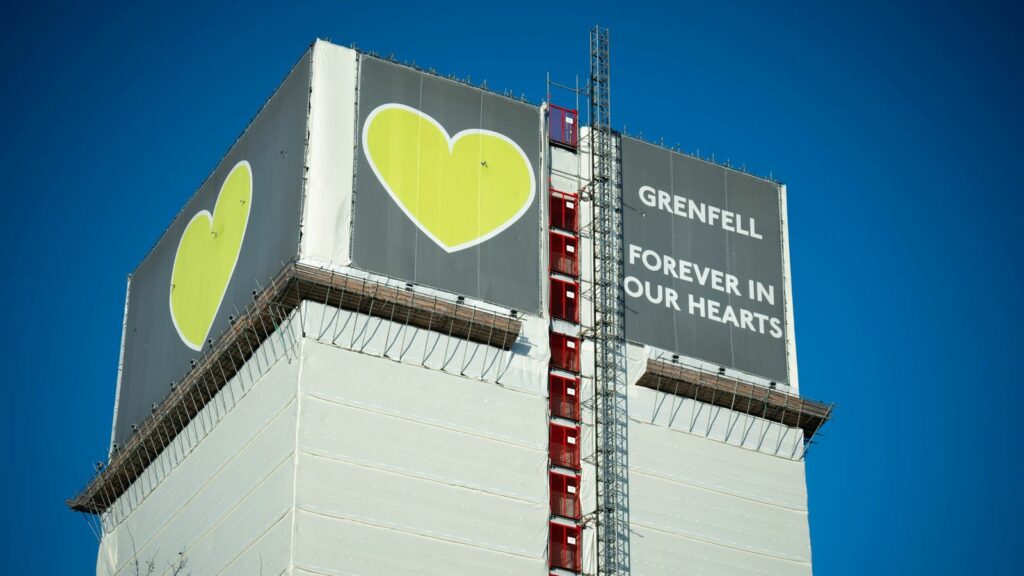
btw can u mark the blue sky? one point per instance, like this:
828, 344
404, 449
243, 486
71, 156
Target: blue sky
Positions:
896, 126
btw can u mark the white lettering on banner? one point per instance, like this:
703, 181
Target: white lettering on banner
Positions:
655, 294
738, 317
704, 276
695, 273
704, 213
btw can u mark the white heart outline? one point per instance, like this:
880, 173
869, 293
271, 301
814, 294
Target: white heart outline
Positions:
208, 216
451, 146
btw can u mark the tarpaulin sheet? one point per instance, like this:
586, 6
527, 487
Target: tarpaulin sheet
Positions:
404, 470
699, 506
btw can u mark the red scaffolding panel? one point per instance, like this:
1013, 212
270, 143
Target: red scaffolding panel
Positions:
565, 547
563, 126
565, 352
565, 257
564, 396
564, 446
564, 207
565, 300
565, 495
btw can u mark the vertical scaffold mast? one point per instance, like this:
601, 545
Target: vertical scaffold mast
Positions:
609, 339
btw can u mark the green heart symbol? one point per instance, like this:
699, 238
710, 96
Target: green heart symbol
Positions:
460, 191
206, 257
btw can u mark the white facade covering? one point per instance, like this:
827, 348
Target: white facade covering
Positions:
431, 473
712, 490
339, 460
221, 494
327, 201
709, 508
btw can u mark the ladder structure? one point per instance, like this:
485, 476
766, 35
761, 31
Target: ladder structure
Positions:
608, 332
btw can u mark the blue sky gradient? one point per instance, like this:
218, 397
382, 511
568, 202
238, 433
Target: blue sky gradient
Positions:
896, 126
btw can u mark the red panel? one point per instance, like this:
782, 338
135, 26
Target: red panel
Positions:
564, 396
564, 211
565, 352
565, 300
565, 495
565, 547
565, 256
564, 446
563, 126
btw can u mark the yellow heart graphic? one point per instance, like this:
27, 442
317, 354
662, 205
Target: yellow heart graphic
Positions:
206, 258
460, 191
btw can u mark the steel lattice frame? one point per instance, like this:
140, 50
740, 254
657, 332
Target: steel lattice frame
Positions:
609, 339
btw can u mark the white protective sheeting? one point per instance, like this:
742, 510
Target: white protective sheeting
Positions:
524, 367
654, 553
225, 501
335, 488
698, 506
701, 514
404, 470
335, 546
403, 446
429, 396
708, 464
794, 377
120, 365
564, 170
313, 446
327, 210
269, 555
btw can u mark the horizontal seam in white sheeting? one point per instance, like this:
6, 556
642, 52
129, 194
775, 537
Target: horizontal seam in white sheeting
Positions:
254, 542
216, 473
425, 478
721, 545
315, 571
227, 513
742, 520
707, 435
633, 470
433, 424
418, 534
695, 535
239, 504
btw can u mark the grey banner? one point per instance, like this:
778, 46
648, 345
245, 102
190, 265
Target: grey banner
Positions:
392, 231
216, 277
703, 261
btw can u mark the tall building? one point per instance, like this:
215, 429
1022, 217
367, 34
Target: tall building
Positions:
411, 326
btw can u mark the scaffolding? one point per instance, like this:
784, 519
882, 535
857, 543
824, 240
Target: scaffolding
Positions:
608, 331
267, 317
742, 398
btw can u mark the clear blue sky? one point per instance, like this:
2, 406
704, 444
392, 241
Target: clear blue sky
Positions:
897, 129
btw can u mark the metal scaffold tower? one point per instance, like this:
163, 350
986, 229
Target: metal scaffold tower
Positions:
608, 334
